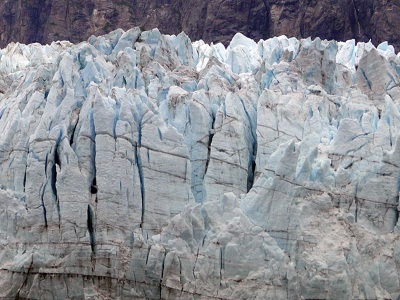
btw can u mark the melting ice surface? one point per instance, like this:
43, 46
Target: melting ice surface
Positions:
143, 166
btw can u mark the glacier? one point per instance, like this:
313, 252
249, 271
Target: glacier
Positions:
138, 165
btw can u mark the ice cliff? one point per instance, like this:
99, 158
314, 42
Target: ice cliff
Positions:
143, 166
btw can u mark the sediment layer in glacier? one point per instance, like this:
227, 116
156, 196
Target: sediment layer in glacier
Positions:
143, 166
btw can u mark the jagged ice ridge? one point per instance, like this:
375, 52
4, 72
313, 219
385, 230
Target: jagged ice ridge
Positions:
144, 166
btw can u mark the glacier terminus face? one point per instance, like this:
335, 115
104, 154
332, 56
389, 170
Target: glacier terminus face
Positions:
138, 165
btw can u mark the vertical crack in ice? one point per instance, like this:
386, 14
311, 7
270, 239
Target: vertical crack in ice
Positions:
180, 274
138, 161
396, 209
91, 215
210, 138
162, 273
43, 206
366, 78
148, 254
141, 180
54, 181
26, 170
91, 229
221, 265
93, 187
45, 165
209, 147
71, 140
252, 149
251, 172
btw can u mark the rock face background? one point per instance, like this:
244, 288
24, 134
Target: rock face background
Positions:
143, 166
45, 21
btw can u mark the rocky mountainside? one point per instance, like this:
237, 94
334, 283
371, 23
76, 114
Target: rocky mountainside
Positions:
143, 166
45, 21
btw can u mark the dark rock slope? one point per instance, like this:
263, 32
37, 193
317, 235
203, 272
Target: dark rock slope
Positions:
211, 20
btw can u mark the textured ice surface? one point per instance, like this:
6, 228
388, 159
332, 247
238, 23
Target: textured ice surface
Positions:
143, 166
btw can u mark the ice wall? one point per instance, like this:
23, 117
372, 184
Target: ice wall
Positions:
143, 166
